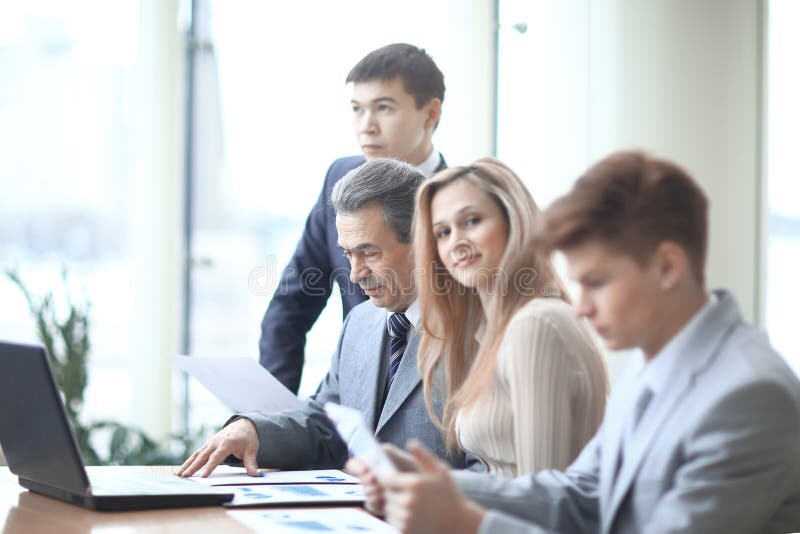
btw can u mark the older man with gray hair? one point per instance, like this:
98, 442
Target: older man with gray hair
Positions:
374, 367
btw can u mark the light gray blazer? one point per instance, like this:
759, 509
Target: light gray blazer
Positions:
717, 451
306, 439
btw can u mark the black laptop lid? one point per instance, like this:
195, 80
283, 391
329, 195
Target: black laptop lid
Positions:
34, 433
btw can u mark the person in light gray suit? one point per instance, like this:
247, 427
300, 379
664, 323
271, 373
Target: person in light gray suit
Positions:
374, 367
702, 430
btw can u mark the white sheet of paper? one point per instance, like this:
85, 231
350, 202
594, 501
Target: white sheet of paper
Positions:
334, 520
278, 495
360, 439
240, 383
225, 475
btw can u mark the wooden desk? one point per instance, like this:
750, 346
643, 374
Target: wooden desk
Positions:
24, 512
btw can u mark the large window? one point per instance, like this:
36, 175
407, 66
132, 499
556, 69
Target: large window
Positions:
783, 178
65, 173
90, 181
544, 105
580, 79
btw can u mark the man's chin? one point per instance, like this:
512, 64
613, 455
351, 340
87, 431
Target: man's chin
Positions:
617, 344
377, 300
370, 155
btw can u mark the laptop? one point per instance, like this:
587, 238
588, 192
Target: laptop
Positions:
40, 448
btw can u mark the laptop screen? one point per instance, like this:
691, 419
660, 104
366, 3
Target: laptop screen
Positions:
34, 432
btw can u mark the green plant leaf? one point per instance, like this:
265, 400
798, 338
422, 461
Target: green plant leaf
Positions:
68, 345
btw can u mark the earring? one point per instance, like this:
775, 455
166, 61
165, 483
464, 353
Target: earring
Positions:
666, 285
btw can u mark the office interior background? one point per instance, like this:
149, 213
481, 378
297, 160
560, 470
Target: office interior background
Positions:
140, 157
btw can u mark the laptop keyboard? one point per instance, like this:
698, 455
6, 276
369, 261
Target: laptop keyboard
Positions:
119, 482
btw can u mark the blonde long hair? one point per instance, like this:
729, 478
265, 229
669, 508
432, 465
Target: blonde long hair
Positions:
451, 313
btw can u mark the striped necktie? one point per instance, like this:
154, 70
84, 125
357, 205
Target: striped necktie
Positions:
399, 325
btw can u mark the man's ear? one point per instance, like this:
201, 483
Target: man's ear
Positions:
434, 110
672, 264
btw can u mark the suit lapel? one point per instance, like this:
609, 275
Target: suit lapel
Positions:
613, 426
704, 347
405, 380
442, 164
369, 353
661, 407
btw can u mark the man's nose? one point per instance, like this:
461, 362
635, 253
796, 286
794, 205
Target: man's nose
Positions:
358, 269
367, 123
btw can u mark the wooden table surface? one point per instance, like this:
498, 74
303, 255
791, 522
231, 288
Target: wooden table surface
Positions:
24, 512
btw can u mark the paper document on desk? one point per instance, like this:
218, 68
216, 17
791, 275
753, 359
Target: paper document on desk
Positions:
303, 521
240, 383
225, 475
284, 494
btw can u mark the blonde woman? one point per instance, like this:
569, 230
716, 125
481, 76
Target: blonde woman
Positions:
525, 382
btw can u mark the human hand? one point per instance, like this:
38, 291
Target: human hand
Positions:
428, 501
404, 461
238, 438
373, 490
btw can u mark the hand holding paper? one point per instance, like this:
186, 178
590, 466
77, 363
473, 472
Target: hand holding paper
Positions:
360, 441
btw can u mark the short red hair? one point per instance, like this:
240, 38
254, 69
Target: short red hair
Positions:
632, 202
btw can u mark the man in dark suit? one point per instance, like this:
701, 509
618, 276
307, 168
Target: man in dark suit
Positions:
397, 100
374, 366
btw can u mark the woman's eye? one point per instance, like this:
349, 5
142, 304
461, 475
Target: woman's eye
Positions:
594, 284
471, 221
442, 233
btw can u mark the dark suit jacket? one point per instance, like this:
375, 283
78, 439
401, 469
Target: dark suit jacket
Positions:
306, 284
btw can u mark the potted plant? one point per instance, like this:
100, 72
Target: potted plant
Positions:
65, 336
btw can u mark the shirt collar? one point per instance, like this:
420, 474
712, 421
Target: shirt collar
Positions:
431, 163
411, 313
480, 333
657, 374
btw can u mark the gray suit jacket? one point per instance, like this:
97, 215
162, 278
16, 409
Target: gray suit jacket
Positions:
306, 438
717, 451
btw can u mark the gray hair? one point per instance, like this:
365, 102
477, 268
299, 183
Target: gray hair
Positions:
389, 183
